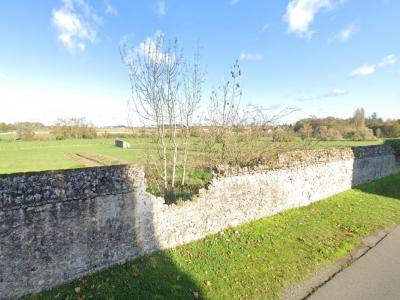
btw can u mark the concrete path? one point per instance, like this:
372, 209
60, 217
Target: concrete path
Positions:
376, 275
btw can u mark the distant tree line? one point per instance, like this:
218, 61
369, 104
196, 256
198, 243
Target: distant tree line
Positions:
357, 128
8, 127
71, 128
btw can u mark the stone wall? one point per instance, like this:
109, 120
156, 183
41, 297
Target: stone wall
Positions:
56, 226
240, 195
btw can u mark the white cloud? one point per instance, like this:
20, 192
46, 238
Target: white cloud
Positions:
234, 2
151, 48
364, 70
301, 13
76, 24
2, 76
161, 8
369, 69
274, 106
346, 33
250, 56
332, 94
111, 10
305, 98
387, 61
336, 93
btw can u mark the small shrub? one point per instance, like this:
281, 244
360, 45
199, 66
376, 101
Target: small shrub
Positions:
328, 134
197, 131
360, 134
306, 131
25, 132
283, 136
43, 137
391, 129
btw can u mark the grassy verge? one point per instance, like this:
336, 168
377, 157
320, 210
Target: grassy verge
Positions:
252, 261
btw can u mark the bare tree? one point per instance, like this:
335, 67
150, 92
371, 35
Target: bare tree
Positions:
236, 131
170, 98
166, 92
224, 109
154, 74
193, 79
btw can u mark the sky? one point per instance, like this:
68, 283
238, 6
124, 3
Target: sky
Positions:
61, 58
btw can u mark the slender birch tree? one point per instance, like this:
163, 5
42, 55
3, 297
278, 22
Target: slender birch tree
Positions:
193, 79
154, 68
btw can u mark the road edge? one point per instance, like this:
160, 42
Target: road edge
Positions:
323, 275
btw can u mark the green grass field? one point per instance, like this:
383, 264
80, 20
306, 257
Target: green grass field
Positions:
23, 156
252, 261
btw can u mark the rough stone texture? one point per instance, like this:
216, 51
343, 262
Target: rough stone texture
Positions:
56, 226
242, 195
23, 190
305, 158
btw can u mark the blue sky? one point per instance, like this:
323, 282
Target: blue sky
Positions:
325, 57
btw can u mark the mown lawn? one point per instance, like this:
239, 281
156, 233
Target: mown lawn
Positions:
252, 261
23, 156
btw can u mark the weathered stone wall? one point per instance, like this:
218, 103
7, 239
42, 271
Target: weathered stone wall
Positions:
239, 195
56, 226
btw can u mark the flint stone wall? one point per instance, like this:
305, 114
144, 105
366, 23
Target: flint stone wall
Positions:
57, 226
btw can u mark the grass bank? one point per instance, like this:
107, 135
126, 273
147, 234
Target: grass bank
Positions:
253, 261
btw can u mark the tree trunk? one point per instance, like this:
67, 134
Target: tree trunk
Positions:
175, 155
164, 156
185, 154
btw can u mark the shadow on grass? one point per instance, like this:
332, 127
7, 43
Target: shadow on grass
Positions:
151, 277
395, 143
83, 245
388, 186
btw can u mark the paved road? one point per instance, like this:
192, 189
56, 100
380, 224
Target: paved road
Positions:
376, 275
